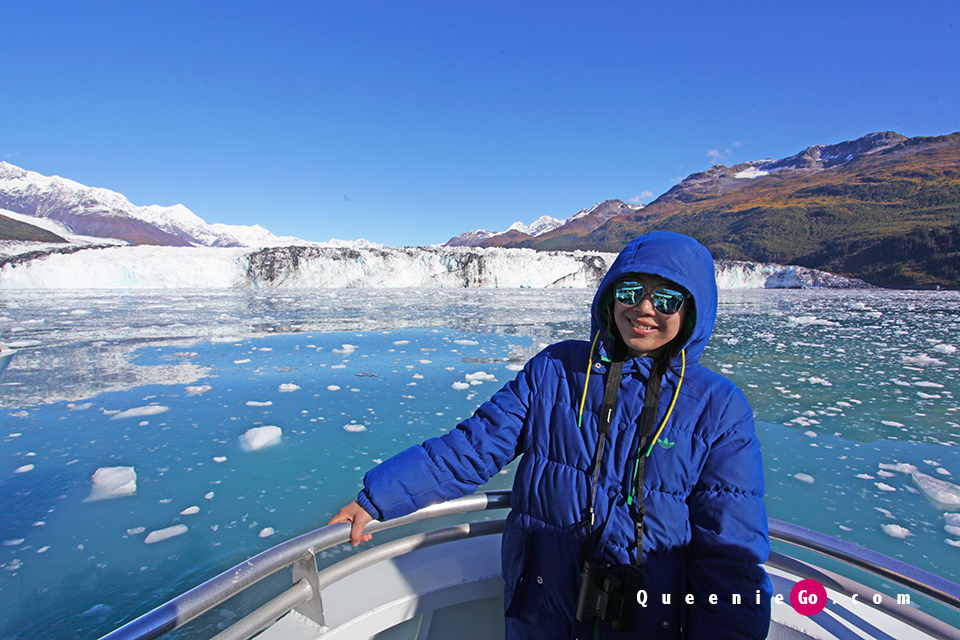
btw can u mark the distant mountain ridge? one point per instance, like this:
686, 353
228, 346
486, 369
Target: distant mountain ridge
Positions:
884, 208
101, 213
583, 221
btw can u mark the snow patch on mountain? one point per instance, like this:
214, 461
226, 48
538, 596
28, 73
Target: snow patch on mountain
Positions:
99, 213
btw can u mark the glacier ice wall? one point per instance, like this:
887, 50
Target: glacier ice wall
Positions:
309, 267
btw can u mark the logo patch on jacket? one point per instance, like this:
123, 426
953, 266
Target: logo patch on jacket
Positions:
665, 443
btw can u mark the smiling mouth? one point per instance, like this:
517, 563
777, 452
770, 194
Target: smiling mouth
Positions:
642, 327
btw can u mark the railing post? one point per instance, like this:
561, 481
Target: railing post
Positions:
306, 569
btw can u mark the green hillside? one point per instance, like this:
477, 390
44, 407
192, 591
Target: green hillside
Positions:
11, 229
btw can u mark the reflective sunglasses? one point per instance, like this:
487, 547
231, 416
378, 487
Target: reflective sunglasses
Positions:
665, 300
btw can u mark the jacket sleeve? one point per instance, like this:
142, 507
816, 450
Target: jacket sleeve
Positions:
729, 536
455, 464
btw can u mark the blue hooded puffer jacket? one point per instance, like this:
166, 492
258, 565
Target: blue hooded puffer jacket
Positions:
705, 530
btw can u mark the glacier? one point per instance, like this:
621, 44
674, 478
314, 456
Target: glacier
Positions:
318, 267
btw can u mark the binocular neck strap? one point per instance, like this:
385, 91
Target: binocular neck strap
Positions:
648, 422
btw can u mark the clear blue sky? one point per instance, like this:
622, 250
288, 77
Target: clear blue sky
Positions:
408, 122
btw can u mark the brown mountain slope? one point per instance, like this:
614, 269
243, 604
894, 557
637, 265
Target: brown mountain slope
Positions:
890, 216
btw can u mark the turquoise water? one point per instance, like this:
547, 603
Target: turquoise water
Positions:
848, 388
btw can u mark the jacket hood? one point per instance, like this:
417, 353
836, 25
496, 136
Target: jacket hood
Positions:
678, 258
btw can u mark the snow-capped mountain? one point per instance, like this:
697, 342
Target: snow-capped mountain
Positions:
591, 217
99, 213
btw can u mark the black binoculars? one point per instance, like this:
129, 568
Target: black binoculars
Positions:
608, 592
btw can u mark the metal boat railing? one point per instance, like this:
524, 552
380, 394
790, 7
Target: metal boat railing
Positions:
300, 554
304, 596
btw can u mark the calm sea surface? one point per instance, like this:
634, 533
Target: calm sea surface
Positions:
856, 394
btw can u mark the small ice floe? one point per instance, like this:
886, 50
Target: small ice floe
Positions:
810, 434
804, 477
401, 343
24, 468
943, 471
13, 542
460, 386
219, 458
165, 534
346, 349
945, 348
902, 467
260, 437
891, 423
208, 495
243, 361
190, 511
79, 407
332, 387
198, 390
865, 476
112, 482
466, 343
922, 360
884, 486
479, 377
140, 412
952, 543
354, 427
266, 532
288, 387
941, 494
896, 531
886, 474
810, 320
135, 531
257, 403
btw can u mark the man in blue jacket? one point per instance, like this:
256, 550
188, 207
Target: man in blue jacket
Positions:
639, 469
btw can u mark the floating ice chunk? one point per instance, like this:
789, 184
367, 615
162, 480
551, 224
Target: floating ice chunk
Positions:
480, 376
928, 396
189, 511
332, 387
198, 390
43, 549
220, 458
13, 542
139, 412
401, 343
942, 494
804, 477
97, 611
884, 486
24, 468
346, 349
943, 471
821, 381
260, 437
865, 476
466, 343
953, 543
885, 474
922, 360
891, 423
810, 320
902, 467
257, 403
810, 434
929, 385
79, 407
952, 518
895, 531
165, 534
885, 512
952, 530
243, 361
288, 387
353, 427
113, 482
266, 532
208, 495
460, 386
945, 348
136, 531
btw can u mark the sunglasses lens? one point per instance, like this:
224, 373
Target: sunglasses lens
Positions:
629, 293
667, 301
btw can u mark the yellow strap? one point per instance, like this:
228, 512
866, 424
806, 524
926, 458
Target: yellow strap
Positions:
583, 399
676, 392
